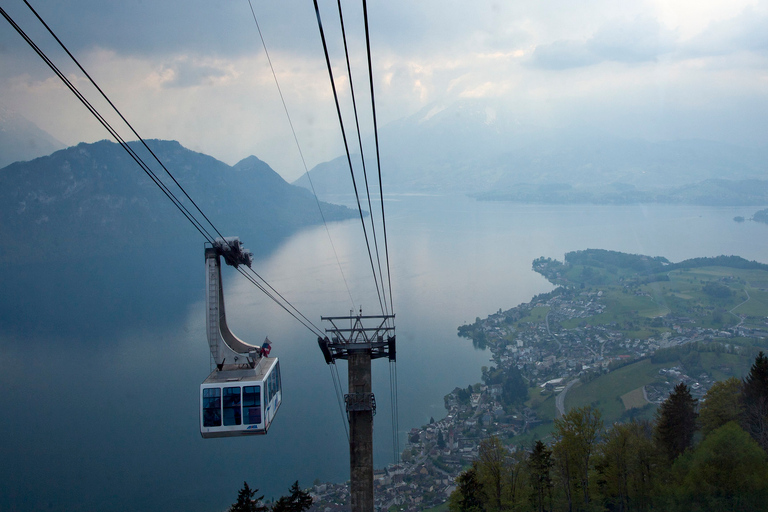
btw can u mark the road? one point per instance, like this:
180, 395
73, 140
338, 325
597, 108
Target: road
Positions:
741, 319
546, 319
560, 399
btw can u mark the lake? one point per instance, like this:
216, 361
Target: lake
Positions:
109, 421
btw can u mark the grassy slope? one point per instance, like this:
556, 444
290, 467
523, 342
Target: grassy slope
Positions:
606, 391
633, 311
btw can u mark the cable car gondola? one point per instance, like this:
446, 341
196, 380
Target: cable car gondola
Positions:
243, 392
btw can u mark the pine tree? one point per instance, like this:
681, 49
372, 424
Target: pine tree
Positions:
539, 470
676, 422
754, 401
468, 496
298, 501
246, 501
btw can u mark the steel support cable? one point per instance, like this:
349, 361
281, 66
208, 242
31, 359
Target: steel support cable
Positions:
397, 412
339, 395
392, 412
123, 118
109, 128
346, 148
393, 364
362, 155
142, 164
334, 375
317, 330
301, 153
309, 325
378, 154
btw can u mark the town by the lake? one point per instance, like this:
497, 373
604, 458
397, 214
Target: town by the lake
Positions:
605, 316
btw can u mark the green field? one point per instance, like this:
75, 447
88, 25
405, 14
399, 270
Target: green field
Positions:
757, 305
605, 391
542, 432
651, 297
543, 402
537, 314
440, 508
635, 399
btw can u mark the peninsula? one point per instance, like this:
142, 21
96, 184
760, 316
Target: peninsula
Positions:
618, 332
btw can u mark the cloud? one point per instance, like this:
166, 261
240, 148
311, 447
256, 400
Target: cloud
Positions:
747, 32
191, 72
642, 40
196, 71
563, 55
636, 41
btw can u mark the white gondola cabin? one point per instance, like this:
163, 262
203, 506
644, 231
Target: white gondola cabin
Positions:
243, 392
240, 402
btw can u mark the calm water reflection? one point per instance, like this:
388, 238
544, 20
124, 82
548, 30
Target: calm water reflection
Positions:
110, 422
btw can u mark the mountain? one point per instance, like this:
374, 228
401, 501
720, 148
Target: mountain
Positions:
478, 147
95, 195
711, 192
21, 139
90, 242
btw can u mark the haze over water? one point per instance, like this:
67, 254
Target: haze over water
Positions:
112, 423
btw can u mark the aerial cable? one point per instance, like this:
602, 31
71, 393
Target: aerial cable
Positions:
346, 147
109, 128
378, 154
393, 364
301, 153
139, 160
123, 118
339, 395
395, 405
392, 412
333, 369
305, 322
316, 330
362, 154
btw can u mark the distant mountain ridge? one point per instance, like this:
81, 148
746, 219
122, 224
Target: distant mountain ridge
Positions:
21, 139
711, 192
95, 195
482, 149
92, 246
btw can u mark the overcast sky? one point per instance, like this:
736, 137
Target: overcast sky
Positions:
195, 71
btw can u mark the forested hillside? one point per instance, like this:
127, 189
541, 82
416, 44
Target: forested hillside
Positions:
692, 456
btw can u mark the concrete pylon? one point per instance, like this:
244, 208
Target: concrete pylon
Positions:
359, 345
360, 414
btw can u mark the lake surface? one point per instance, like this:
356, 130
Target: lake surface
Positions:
110, 421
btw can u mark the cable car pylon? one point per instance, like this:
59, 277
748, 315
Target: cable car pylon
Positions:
366, 338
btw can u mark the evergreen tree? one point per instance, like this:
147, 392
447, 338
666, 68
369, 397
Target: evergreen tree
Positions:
468, 496
297, 501
754, 401
514, 389
246, 501
539, 465
676, 422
